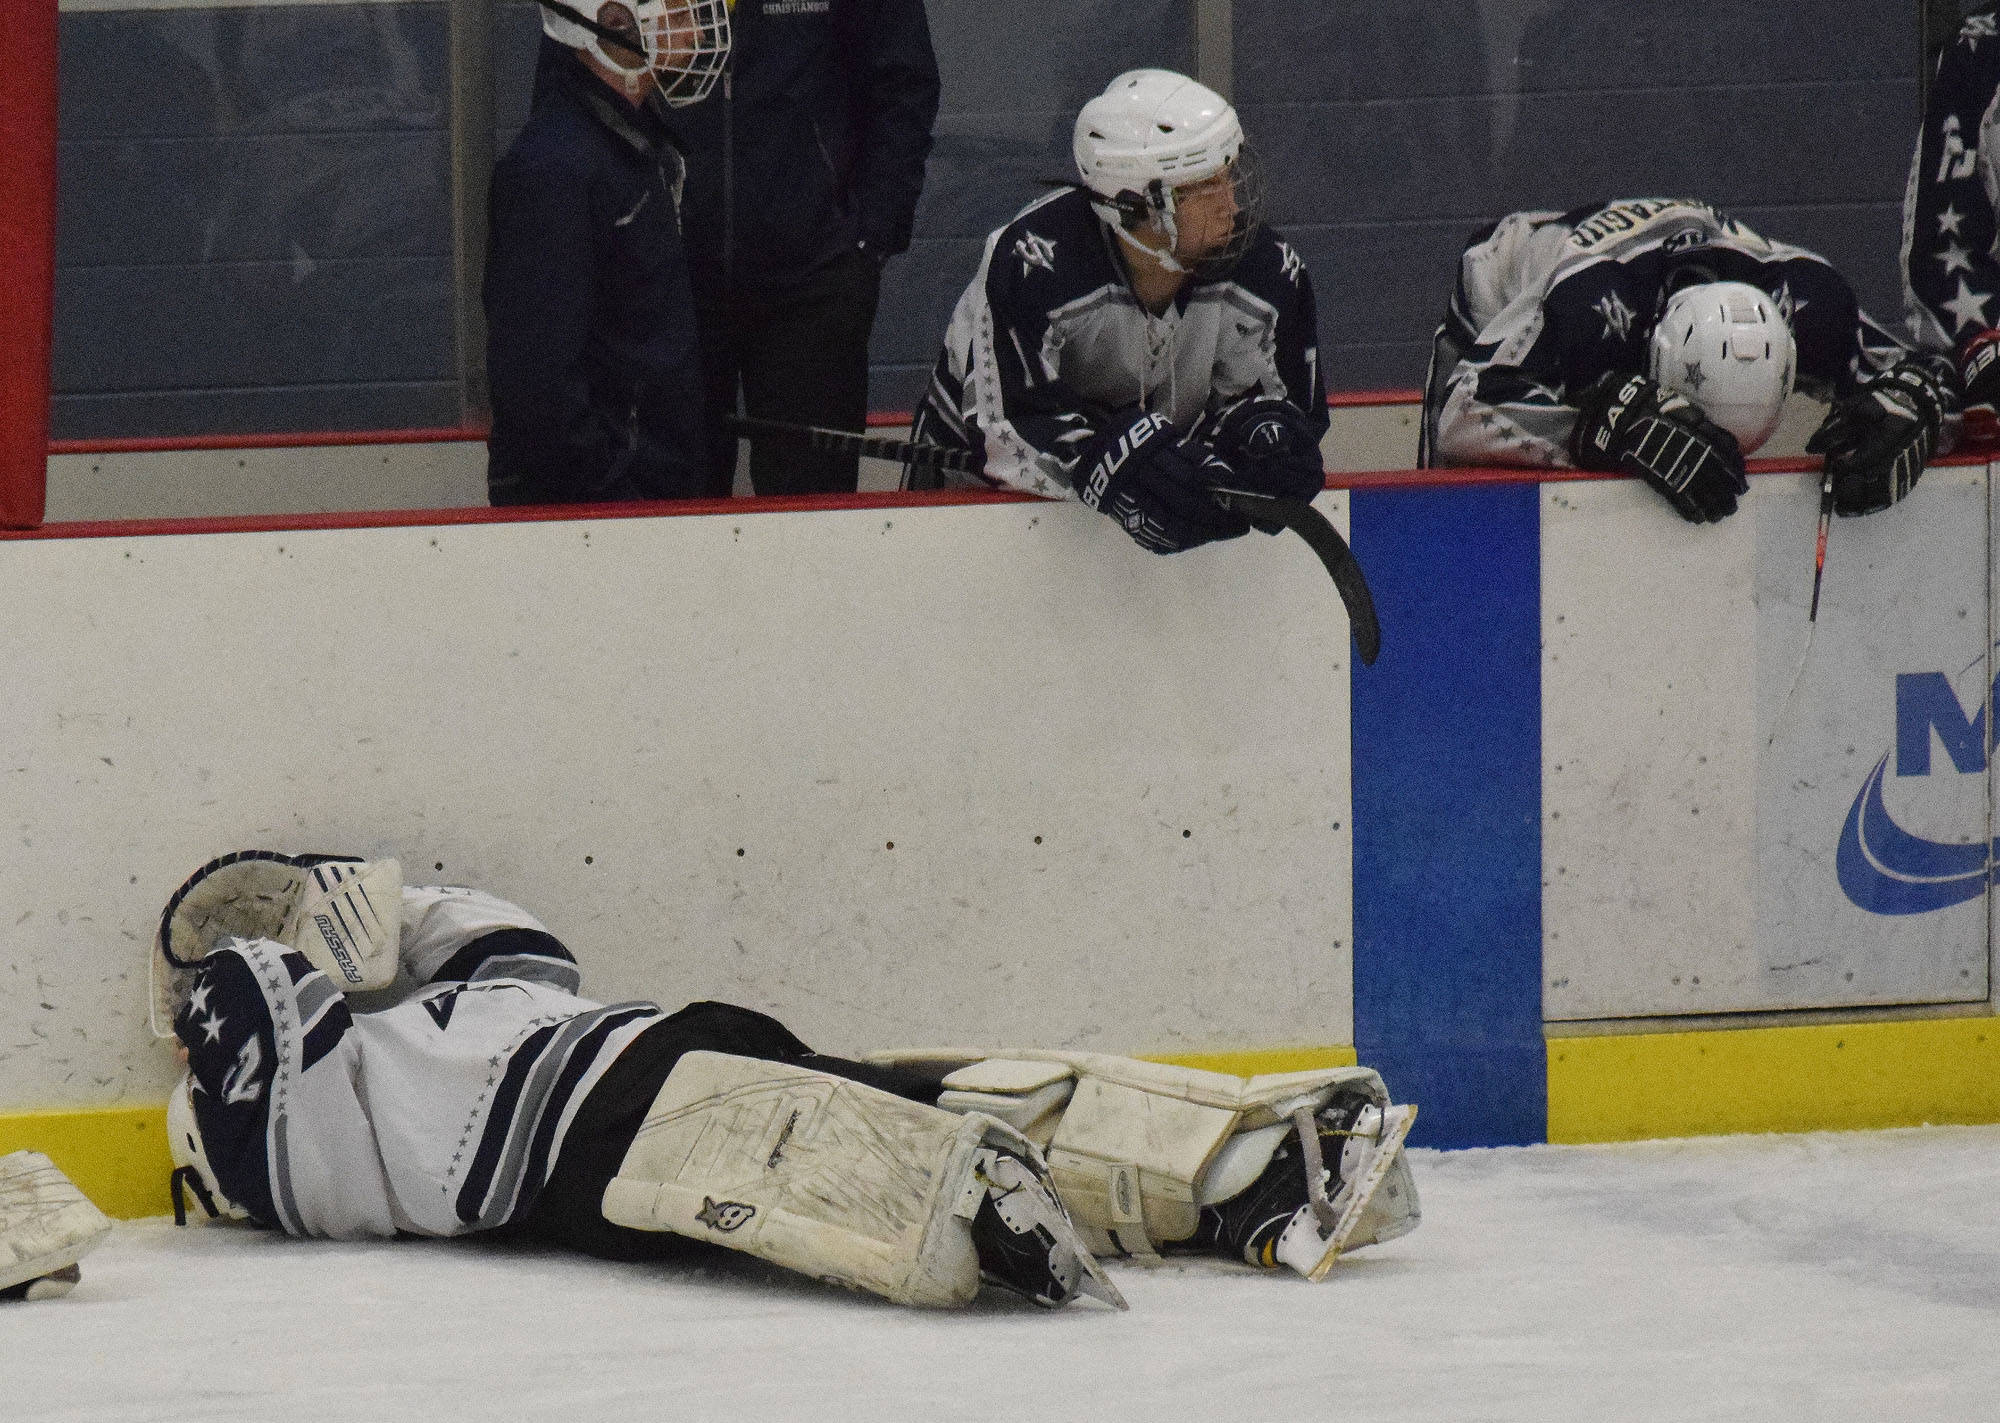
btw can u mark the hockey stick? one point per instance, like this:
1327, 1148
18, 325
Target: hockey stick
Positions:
1264, 511
1812, 615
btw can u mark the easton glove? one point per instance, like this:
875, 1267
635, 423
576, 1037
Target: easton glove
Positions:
1272, 448
1156, 487
1878, 440
1628, 424
1979, 378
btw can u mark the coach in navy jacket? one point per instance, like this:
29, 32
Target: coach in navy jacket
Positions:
591, 347
804, 171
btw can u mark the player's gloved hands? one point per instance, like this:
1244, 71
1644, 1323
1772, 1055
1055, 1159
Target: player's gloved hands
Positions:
1629, 424
1156, 487
1272, 448
1979, 378
1878, 440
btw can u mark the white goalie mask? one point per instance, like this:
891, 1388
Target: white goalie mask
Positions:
192, 1173
686, 42
1726, 347
1149, 133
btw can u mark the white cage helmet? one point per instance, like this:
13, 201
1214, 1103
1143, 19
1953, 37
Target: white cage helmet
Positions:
1152, 131
686, 42
1726, 347
191, 1169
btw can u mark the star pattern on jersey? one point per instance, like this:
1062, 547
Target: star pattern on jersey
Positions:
1617, 317
1951, 222
198, 1000
1967, 308
1695, 380
1035, 250
1955, 258
211, 1027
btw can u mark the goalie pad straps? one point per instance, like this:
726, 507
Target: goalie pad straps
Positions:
46, 1226
818, 1174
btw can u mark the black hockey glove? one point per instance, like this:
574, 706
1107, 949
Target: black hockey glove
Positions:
1979, 378
1156, 487
1272, 448
1878, 440
1629, 424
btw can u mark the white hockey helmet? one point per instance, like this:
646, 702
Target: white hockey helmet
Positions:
686, 42
191, 1169
1152, 131
1726, 347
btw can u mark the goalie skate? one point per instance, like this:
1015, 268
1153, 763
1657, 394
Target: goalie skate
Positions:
46, 1226
1371, 1151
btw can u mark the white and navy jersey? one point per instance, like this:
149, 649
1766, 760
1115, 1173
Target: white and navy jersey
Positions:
1548, 302
1951, 243
439, 1115
1048, 347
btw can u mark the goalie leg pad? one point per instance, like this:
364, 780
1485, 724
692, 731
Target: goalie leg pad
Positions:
46, 1226
1143, 1153
836, 1180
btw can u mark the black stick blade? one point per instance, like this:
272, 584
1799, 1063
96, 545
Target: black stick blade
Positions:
1270, 514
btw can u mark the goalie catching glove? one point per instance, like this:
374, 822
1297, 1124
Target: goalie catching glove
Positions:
343, 914
1630, 424
1156, 487
1878, 440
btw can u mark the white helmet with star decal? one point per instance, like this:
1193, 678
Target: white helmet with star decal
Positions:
1726, 346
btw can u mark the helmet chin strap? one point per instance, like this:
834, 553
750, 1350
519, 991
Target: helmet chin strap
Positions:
1161, 200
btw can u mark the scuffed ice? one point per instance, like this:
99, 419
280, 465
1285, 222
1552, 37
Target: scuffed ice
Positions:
1826, 1277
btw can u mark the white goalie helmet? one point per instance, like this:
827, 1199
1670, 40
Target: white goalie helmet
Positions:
192, 1173
686, 42
1727, 347
1152, 131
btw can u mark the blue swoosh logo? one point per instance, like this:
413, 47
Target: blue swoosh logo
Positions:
1886, 870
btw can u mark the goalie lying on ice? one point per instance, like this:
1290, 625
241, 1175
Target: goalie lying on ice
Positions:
478, 1091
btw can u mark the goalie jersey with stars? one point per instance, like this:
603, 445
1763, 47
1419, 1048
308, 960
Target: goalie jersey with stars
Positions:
1547, 303
438, 1115
1951, 241
1048, 347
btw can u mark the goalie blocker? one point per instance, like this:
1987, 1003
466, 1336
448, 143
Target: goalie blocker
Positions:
1290, 1169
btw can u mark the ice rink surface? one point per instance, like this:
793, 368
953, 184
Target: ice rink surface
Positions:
1822, 1277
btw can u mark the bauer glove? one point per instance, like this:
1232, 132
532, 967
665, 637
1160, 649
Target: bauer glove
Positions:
1979, 378
1271, 447
1628, 424
1878, 439
1157, 487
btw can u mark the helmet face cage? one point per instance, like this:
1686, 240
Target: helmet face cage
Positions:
1246, 175
685, 42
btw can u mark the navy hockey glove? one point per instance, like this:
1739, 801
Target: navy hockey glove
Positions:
1628, 424
1156, 487
1979, 378
1272, 448
1878, 440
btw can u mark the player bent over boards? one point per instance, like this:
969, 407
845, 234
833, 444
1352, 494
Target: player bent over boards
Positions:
1660, 338
1139, 337
468, 1087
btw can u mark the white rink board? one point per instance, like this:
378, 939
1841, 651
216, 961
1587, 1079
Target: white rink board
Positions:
594, 717
1691, 819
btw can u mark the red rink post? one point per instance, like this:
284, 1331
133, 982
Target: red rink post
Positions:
27, 256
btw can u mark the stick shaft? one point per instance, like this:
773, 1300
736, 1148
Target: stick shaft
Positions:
847, 442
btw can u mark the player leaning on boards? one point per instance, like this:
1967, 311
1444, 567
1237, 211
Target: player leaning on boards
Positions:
590, 350
1660, 338
1951, 239
1140, 336
471, 1089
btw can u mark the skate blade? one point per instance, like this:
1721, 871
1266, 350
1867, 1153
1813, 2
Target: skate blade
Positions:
1302, 1248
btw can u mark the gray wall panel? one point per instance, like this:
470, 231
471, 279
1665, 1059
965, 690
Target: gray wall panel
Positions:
258, 323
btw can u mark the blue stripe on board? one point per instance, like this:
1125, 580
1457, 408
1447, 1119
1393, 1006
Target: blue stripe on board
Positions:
1447, 812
